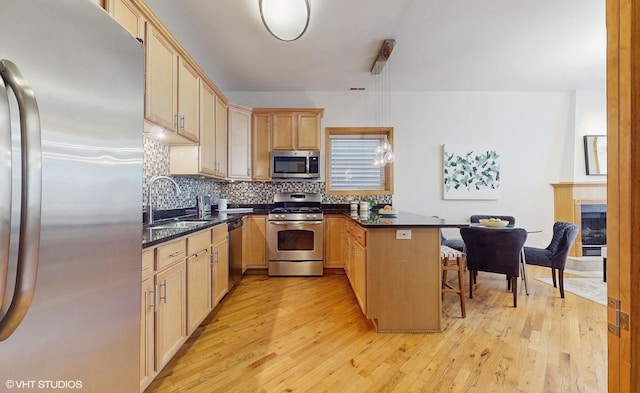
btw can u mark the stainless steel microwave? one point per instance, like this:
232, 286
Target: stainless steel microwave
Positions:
296, 164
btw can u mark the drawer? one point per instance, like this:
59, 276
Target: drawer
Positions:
198, 242
170, 253
147, 263
220, 232
359, 234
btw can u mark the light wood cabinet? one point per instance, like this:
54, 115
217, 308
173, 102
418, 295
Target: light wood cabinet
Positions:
357, 262
171, 315
254, 242
239, 134
171, 88
261, 146
147, 320
128, 15
294, 128
220, 263
188, 83
334, 240
198, 282
220, 138
200, 159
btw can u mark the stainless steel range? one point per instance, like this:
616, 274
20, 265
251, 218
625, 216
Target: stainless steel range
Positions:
296, 235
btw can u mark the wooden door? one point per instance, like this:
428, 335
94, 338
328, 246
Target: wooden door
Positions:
171, 317
161, 80
623, 194
334, 241
261, 147
254, 242
188, 81
207, 129
220, 269
147, 335
239, 146
308, 131
221, 138
282, 131
198, 288
128, 15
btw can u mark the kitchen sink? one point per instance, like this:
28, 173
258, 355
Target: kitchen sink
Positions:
178, 224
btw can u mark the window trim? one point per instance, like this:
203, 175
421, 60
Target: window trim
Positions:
357, 131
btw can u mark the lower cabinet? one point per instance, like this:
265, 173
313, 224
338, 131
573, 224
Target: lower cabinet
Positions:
171, 314
356, 262
198, 283
254, 242
147, 321
334, 240
219, 264
182, 280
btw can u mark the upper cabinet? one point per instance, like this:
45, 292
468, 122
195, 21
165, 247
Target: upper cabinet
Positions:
221, 138
239, 132
171, 88
128, 15
294, 128
261, 146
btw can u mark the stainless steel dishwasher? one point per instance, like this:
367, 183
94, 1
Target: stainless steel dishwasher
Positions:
235, 250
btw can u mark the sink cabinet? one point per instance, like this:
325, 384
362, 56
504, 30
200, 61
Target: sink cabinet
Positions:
182, 280
198, 282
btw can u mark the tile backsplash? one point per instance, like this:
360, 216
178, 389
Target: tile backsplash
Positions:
156, 163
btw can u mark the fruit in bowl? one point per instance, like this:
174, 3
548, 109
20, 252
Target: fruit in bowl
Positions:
387, 209
493, 222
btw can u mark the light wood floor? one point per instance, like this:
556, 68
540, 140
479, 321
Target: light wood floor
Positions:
308, 335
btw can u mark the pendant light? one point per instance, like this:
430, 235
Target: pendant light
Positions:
287, 20
384, 152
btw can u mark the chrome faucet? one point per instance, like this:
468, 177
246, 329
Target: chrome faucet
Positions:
149, 193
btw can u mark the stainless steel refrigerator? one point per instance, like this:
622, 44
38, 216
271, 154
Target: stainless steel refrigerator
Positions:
71, 123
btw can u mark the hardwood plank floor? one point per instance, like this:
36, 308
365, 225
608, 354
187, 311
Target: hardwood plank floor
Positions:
307, 334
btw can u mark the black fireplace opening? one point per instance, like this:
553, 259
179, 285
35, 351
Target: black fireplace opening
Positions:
593, 224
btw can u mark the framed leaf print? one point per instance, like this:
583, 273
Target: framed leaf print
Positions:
471, 172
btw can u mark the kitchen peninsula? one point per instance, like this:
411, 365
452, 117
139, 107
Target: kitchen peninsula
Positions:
401, 269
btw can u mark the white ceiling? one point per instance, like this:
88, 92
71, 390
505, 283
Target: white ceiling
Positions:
442, 45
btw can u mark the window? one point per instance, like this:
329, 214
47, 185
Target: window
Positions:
349, 161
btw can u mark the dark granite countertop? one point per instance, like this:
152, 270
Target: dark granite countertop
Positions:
153, 237
403, 219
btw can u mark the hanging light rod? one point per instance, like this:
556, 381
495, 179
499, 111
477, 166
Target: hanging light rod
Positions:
383, 56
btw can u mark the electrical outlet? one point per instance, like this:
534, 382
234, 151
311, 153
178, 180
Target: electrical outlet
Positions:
403, 234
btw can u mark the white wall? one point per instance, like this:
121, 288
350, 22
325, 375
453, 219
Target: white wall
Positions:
534, 132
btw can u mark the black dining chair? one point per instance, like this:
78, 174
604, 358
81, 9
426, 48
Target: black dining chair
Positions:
495, 251
555, 255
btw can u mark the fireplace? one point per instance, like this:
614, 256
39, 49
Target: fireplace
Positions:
593, 228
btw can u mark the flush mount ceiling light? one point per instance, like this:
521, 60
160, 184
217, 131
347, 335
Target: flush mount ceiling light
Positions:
287, 20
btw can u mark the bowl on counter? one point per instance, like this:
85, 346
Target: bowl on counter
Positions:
493, 222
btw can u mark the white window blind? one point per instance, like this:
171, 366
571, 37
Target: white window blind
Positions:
352, 166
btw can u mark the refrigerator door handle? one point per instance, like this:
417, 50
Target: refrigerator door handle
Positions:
31, 199
5, 188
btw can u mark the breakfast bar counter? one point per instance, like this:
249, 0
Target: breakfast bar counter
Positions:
403, 271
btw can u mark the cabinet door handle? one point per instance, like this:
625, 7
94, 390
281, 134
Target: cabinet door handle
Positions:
164, 298
175, 120
175, 254
182, 122
154, 300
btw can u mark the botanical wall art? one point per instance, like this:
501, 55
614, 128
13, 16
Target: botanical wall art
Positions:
471, 172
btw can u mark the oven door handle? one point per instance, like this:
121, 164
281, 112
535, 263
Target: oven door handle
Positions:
298, 223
